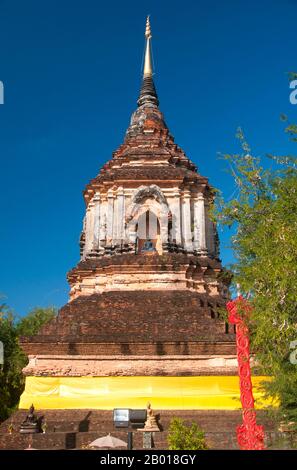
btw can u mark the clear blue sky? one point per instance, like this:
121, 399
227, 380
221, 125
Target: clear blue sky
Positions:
71, 72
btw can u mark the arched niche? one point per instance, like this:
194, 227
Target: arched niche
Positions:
148, 202
148, 228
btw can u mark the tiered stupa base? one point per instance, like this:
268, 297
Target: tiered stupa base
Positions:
123, 349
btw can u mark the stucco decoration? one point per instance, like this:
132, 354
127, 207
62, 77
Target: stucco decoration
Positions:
143, 193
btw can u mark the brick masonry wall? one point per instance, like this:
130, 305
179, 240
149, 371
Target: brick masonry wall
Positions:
159, 348
179, 318
68, 429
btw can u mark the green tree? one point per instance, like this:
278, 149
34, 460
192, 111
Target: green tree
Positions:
264, 218
36, 318
11, 378
185, 437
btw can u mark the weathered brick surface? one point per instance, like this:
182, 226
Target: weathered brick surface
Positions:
33, 346
76, 428
102, 366
164, 262
163, 160
136, 317
130, 272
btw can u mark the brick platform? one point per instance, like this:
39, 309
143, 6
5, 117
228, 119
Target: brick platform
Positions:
136, 317
73, 429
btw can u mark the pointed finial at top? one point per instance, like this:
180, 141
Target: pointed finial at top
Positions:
148, 32
148, 68
148, 93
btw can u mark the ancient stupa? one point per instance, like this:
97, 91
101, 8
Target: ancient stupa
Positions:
143, 318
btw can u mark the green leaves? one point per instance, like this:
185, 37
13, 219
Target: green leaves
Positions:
264, 215
11, 378
185, 437
31, 324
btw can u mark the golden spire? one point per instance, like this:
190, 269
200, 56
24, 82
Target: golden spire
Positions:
148, 94
148, 69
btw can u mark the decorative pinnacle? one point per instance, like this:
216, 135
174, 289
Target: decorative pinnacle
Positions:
148, 69
148, 93
148, 32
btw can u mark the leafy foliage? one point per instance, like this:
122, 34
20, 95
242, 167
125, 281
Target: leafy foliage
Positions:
265, 245
11, 378
185, 437
11, 381
36, 318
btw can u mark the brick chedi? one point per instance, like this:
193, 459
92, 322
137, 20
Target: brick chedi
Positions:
143, 319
